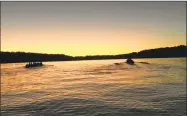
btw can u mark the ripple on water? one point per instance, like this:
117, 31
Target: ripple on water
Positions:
96, 88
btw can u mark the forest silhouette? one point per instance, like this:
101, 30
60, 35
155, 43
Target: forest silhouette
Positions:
166, 52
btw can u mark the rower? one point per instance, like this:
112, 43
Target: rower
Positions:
129, 61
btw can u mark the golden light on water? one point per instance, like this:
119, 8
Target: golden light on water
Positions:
75, 85
97, 87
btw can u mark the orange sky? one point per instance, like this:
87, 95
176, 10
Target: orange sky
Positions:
80, 30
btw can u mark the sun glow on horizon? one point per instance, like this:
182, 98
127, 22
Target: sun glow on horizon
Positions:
85, 42
78, 30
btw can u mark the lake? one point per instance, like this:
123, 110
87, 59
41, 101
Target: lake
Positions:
95, 88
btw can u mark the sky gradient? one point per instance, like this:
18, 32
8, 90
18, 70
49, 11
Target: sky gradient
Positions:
91, 28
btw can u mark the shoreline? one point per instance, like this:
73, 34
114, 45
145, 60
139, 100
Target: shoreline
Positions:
93, 59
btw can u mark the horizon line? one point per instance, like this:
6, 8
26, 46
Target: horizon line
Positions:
91, 55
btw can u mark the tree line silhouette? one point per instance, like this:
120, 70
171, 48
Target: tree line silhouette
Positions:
167, 52
10, 57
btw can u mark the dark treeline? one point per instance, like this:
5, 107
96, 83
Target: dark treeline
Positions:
10, 57
167, 52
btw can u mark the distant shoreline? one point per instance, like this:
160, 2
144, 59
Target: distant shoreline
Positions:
89, 60
21, 57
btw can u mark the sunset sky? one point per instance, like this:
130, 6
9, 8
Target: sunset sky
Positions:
91, 28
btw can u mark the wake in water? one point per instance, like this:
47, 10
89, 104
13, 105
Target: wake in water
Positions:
92, 88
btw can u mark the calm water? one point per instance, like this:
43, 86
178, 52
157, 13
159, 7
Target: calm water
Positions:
95, 88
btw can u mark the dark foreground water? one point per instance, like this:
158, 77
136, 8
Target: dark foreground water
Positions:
95, 88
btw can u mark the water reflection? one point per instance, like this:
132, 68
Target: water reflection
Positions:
95, 87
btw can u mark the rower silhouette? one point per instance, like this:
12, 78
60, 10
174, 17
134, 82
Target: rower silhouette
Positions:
129, 61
